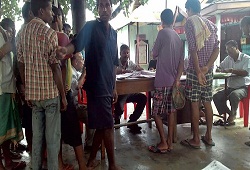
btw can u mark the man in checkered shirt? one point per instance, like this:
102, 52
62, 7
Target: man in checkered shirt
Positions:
203, 51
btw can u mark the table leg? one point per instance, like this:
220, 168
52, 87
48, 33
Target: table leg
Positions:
149, 108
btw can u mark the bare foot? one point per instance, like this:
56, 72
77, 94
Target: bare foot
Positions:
93, 164
162, 146
115, 168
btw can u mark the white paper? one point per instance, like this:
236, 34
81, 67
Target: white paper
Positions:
216, 165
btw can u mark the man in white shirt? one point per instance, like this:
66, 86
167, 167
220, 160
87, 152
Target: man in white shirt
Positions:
127, 66
239, 64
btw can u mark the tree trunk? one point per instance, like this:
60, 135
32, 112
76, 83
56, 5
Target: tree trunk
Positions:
78, 9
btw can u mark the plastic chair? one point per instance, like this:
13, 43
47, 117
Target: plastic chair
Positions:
82, 99
244, 108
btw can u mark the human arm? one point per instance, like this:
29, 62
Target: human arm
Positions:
115, 96
157, 45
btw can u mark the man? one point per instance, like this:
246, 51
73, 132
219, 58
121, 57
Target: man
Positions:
71, 133
100, 42
168, 50
42, 78
67, 29
203, 51
127, 66
27, 110
239, 64
10, 129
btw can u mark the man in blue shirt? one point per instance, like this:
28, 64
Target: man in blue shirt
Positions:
100, 42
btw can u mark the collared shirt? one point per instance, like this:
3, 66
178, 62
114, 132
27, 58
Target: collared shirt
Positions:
101, 57
204, 53
168, 50
7, 78
129, 66
36, 46
242, 63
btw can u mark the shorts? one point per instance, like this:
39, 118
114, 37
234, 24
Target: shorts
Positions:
196, 92
100, 112
70, 127
162, 101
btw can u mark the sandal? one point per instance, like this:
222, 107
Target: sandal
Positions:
15, 156
155, 149
218, 123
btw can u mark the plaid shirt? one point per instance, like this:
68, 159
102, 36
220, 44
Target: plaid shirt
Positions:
36, 45
205, 53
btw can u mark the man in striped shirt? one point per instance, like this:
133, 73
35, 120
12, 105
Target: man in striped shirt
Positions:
42, 79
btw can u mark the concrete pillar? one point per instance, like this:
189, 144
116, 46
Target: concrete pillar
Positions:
217, 61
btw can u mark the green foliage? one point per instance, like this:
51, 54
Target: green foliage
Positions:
10, 9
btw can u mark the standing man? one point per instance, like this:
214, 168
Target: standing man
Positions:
127, 66
168, 50
100, 42
203, 50
239, 64
245, 26
42, 78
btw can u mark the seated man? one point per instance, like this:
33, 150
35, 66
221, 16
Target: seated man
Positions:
77, 63
239, 64
126, 66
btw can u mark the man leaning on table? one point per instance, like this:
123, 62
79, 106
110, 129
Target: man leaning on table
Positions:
236, 63
127, 66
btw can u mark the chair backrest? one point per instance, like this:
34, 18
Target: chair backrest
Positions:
82, 97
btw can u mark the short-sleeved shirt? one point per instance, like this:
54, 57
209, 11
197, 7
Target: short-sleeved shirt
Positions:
36, 47
130, 65
168, 50
204, 53
101, 57
242, 63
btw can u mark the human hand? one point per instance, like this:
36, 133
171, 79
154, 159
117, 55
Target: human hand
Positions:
201, 79
115, 96
204, 70
64, 104
61, 52
230, 70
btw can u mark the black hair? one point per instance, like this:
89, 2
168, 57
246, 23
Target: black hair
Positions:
7, 22
194, 5
56, 11
167, 16
124, 47
65, 25
97, 3
26, 10
232, 43
36, 5
245, 21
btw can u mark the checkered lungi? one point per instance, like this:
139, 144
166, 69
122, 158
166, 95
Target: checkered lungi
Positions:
162, 101
196, 92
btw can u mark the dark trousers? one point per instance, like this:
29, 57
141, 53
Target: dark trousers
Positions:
138, 98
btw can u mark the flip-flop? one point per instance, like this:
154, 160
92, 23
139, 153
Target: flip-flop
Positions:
247, 143
187, 143
230, 124
155, 149
218, 122
203, 139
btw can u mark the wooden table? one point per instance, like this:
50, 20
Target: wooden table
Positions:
136, 85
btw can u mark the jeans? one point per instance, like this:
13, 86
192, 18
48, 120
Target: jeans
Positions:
46, 122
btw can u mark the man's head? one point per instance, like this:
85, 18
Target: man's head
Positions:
26, 12
57, 18
245, 25
193, 7
104, 8
232, 49
167, 17
67, 29
124, 53
9, 26
77, 61
42, 9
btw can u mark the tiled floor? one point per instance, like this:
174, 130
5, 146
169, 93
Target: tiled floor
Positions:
132, 154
